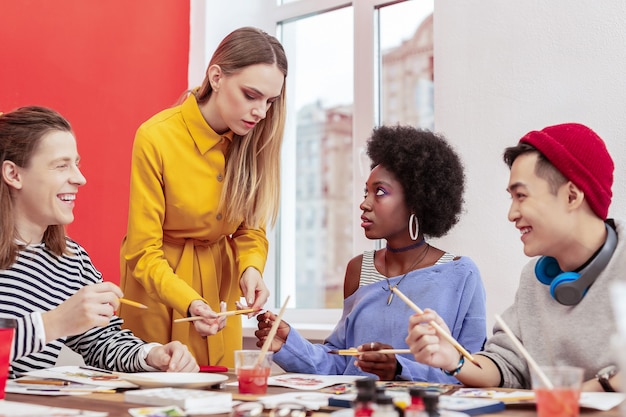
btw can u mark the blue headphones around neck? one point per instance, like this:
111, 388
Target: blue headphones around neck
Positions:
568, 288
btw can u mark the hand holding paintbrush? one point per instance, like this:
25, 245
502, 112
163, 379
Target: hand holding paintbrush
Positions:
438, 328
218, 314
272, 332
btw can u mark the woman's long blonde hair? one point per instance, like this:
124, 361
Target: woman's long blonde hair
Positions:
252, 179
20, 134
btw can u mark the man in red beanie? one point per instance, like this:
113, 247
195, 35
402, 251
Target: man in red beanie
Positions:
560, 185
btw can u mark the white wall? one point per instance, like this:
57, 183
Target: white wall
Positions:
211, 21
503, 67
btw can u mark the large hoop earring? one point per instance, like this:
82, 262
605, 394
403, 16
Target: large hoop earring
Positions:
414, 231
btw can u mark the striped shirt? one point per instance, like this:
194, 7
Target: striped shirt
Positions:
370, 275
39, 281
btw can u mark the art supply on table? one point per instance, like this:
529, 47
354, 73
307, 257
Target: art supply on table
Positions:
213, 368
507, 397
181, 397
94, 369
416, 408
385, 407
471, 406
55, 382
21, 408
364, 403
431, 404
82, 375
168, 410
438, 328
70, 390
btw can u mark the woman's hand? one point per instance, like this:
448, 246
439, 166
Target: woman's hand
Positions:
210, 323
91, 306
266, 321
253, 289
382, 365
172, 357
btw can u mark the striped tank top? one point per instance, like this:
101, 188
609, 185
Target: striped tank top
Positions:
370, 275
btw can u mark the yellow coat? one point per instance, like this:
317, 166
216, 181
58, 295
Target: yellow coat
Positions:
178, 247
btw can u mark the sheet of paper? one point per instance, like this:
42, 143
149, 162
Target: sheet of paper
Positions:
307, 382
83, 376
508, 397
310, 400
601, 400
76, 388
17, 409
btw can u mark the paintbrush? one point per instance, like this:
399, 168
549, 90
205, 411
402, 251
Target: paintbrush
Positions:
219, 314
354, 352
524, 352
43, 382
438, 328
271, 334
132, 303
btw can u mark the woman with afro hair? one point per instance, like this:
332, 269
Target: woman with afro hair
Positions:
414, 191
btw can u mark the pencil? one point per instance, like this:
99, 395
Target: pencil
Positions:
43, 382
97, 391
438, 328
93, 368
219, 314
354, 352
132, 303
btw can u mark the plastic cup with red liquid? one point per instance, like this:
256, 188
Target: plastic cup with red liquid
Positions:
252, 374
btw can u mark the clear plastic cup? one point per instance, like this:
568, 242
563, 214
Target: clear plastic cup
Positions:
252, 374
561, 399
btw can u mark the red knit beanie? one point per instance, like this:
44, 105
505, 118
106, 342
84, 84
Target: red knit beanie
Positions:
581, 156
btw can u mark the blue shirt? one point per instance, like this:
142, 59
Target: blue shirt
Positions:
453, 289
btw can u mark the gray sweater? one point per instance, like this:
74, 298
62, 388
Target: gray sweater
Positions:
555, 334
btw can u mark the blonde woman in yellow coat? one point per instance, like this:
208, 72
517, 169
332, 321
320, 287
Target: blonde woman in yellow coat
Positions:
204, 183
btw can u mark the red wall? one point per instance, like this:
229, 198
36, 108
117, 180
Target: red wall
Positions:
106, 65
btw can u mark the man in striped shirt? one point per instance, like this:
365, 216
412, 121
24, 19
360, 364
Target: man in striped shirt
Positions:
47, 281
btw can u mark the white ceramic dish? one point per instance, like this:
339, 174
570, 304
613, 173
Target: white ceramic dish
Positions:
173, 379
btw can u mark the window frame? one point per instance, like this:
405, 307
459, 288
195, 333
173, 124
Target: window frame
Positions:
318, 323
